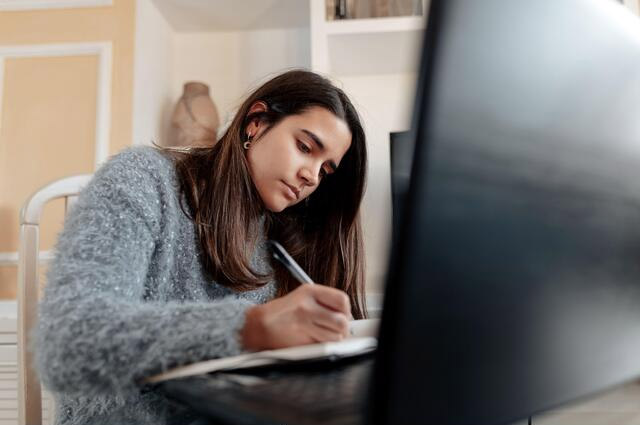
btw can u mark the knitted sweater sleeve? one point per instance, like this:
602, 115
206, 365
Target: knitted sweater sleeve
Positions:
96, 333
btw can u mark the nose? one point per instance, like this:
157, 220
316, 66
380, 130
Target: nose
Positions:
309, 175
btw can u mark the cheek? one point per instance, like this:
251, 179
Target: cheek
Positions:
265, 162
258, 170
271, 152
284, 161
288, 154
274, 159
259, 160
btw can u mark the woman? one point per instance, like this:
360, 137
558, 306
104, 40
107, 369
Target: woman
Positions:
162, 260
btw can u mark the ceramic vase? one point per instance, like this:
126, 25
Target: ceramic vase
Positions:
195, 118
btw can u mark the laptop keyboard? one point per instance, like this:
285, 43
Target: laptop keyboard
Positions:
328, 389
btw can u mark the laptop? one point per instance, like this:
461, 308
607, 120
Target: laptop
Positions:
514, 284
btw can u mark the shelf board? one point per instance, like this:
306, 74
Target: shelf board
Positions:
375, 25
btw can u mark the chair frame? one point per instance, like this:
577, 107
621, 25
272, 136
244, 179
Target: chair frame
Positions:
29, 389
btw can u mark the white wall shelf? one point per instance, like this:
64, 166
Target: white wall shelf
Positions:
381, 45
372, 46
375, 25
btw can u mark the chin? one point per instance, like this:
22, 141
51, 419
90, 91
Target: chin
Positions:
275, 201
277, 209
275, 205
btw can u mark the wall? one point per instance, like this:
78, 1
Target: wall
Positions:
152, 97
385, 103
634, 5
232, 62
66, 77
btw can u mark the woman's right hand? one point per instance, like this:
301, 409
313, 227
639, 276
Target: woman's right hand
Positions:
309, 314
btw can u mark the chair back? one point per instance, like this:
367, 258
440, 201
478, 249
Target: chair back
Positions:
29, 390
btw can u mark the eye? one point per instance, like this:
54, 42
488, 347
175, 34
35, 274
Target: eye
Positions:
303, 147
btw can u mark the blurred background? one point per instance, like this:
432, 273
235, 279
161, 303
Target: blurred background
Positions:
82, 79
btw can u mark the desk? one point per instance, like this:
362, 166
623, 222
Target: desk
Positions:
620, 406
316, 392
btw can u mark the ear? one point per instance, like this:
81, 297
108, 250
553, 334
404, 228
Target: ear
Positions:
255, 127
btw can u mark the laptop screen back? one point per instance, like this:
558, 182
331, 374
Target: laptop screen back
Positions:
515, 285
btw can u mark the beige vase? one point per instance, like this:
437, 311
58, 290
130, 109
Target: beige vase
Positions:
195, 118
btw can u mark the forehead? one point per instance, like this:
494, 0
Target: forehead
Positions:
332, 131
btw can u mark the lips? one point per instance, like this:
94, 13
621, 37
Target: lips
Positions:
295, 192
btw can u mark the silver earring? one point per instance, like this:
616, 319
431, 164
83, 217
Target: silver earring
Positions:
247, 144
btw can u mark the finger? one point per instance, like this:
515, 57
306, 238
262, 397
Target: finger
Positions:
332, 320
320, 333
332, 298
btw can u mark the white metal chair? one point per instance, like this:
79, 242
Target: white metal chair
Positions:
29, 390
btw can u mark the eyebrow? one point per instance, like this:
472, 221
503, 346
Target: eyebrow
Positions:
318, 142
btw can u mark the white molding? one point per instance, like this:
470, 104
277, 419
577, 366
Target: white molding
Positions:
11, 258
103, 108
375, 25
1, 88
7, 5
319, 41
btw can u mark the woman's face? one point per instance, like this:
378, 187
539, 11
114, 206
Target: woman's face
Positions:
288, 162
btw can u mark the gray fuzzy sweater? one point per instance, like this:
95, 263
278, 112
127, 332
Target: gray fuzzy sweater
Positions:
126, 297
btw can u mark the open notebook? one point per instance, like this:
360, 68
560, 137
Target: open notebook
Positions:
363, 339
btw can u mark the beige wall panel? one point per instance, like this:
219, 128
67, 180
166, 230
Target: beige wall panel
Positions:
115, 24
8, 282
37, 106
47, 131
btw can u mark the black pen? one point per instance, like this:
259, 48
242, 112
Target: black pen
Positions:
280, 254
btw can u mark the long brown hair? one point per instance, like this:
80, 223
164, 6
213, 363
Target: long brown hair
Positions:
323, 233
